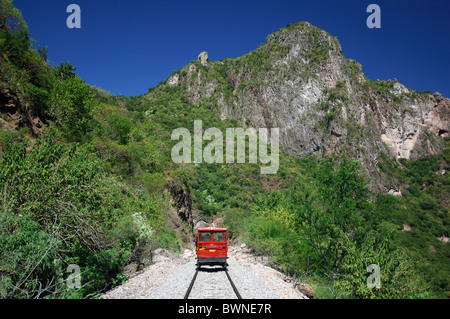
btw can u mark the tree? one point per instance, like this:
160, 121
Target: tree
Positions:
343, 235
10, 17
332, 218
64, 71
121, 127
70, 103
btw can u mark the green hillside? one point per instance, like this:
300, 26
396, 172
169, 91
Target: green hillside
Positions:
86, 178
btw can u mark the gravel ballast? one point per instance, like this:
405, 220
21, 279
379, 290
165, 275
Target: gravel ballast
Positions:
170, 276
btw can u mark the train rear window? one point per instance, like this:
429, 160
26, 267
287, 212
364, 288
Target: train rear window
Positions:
219, 236
204, 236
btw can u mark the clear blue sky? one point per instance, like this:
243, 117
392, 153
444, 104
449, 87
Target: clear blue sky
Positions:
125, 47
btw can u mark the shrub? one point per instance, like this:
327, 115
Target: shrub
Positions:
70, 104
121, 127
60, 208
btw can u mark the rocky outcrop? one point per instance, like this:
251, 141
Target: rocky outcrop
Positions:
306, 290
203, 58
16, 113
411, 126
181, 199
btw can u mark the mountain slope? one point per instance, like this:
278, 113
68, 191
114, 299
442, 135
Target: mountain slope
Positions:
89, 177
300, 82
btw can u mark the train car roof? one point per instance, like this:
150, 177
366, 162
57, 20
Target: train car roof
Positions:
211, 229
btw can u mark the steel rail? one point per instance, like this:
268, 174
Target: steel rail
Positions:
188, 292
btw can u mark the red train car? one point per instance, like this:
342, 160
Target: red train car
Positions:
212, 246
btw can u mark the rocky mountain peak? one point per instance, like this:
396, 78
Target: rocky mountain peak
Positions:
303, 33
300, 82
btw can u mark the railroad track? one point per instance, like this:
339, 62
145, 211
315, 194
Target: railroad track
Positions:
213, 286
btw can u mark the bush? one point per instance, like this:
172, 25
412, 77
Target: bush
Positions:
70, 104
60, 208
121, 127
325, 226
